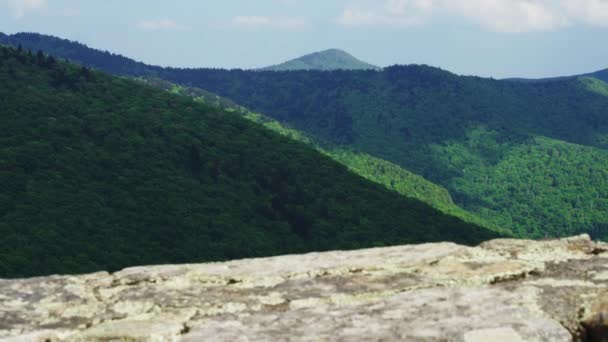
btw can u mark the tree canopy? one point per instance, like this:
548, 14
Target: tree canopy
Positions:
100, 173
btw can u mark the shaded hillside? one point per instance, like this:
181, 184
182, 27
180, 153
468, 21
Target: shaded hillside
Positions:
430, 121
77, 52
100, 172
412, 115
600, 75
375, 169
332, 59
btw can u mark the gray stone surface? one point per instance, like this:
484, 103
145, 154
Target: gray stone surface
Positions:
503, 290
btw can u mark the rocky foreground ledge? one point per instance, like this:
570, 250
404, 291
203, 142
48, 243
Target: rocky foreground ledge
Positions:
503, 290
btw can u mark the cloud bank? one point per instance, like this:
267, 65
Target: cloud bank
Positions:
19, 8
509, 16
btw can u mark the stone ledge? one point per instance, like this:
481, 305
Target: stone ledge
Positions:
503, 290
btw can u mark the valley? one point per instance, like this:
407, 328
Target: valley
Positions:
529, 157
100, 173
298, 171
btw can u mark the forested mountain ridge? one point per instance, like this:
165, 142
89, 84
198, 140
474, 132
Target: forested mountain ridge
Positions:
375, 169
77, 53
100, 172
428, 121
459, 132
332, 59
600, 75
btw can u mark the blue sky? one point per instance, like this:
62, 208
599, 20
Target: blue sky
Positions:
497, 38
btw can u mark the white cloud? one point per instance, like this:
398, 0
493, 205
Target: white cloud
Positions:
592, 12
285, 23
160, 25
69, 12
399, 13
20, 8
510, 16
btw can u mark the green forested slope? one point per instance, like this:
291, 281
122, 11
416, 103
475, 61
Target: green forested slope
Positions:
534, 184
412, 115
99, 172
382, 172
375, 169
601, 75
418, 118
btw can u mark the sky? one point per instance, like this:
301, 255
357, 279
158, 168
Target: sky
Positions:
490, 38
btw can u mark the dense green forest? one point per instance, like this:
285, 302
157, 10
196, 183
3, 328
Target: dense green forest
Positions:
332, 59
454, 131
99, 172
77, 52
537, 183
412, 115
375, 169
601, 75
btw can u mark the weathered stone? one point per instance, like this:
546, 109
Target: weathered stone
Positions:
503, 290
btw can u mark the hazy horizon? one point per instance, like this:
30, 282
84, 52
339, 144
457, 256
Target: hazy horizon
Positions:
501, 38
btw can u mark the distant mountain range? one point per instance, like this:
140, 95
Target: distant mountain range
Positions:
528, 156
100, 172
381, 171
600, 75
332, 59
373, 168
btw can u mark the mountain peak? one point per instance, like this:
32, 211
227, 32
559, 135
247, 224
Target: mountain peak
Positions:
334, 50
331, 59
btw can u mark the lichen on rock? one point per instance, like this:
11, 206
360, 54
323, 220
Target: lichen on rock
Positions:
502, 290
